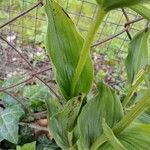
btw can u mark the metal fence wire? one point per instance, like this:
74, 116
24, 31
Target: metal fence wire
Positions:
23, 27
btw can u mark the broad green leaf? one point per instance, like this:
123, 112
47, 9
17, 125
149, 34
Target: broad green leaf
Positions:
111, 138
9, 119
62, 123
29, 146
113, 4
135, 137
36, 94
64, 44
137, 57
9, 101
105, 105
142, 9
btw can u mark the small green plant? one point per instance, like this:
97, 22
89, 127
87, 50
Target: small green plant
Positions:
102, 122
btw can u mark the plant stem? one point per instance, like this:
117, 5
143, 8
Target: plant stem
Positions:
85, 52
135, 86
133, 114
102, 139
126, 120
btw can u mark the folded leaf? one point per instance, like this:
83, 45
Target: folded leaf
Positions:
111, 138
145, 118
113, 4
135, 137
64, 44
61, 125
105, 105
142, 9
9, 119
29, 146
137, 57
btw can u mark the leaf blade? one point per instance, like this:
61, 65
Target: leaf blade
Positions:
105, 105
29, 146
61, 125
142, 9
114, 4
134, 137
137, 57
9, 123
63, 44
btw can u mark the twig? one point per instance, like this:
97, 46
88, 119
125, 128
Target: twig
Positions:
127, 18
109, 38
134, 21
17, 84
24, 81
53, 91
34, 126
22, 14
21, 55
117, 34
31, 67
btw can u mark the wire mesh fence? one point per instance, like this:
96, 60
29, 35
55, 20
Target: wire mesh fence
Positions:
22, 31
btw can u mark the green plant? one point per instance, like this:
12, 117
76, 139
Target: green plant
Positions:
101, 122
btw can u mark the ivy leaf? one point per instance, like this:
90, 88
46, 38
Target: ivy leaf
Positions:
105, 105
64, 44
137, 57
29, 146
36, 94
136, 136
9, 119
61, 125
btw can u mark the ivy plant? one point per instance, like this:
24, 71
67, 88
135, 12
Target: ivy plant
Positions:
102, 122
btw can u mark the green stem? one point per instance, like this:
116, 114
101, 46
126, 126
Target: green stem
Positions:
85, 52
101, 140
126, 120
135, 87
133, 114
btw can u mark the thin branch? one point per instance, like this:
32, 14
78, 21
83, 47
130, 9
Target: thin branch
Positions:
134, 21
117, 34
109, 38
32, 68
52, 90
127, 18
21, 55
41, 71
22, 14
17, 84
24, 81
